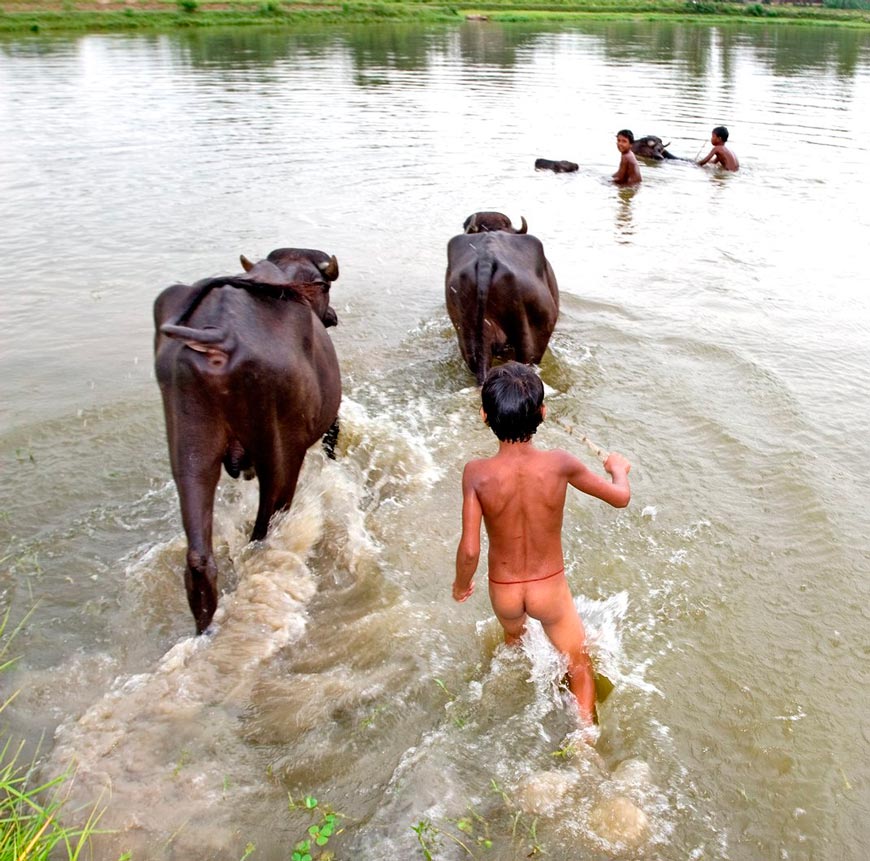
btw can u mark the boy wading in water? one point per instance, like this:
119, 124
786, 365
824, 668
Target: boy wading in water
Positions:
720, 154
520, 494
628, 172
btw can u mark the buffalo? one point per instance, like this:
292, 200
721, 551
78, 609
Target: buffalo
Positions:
560, 166
651, 147
249, 379
501, 293
488, 222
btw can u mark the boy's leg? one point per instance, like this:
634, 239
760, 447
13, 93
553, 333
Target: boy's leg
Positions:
569, 637
553, 605
509, 608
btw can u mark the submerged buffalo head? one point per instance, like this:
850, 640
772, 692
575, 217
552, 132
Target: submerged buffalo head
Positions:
650, 146
561, 166
487, 222
307, 272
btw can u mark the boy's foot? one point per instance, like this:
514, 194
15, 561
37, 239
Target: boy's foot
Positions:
587, 733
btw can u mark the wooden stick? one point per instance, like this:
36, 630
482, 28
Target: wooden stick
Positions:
596, 449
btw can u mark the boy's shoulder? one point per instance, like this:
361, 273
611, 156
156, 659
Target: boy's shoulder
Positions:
477, 466
561, 456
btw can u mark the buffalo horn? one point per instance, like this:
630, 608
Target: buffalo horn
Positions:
246, 264
472, 224
329, 268
525, 227
665, 146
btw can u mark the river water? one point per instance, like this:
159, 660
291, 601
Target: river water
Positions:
714, 329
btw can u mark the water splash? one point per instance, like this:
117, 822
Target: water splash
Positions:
506, 753
142, 745
603, 620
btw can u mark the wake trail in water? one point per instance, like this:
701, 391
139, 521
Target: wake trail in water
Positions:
178, 752
142, 746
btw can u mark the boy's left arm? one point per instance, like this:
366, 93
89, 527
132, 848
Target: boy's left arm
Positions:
468, 552
714, 154
616, 492
622, 171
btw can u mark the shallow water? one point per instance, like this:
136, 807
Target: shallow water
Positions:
713, 329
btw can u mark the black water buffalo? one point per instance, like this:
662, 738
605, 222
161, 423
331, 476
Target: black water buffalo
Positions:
486, 222
561, 166
501, 294
250, 380
651, 147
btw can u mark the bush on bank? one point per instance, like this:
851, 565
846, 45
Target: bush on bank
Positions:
50, 16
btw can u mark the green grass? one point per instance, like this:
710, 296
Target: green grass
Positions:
50, 16
30, 826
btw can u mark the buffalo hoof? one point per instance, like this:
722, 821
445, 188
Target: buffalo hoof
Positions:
556, 166
200, 579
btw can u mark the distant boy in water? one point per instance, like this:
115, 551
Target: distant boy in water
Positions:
520, 494
720, 154
628, 172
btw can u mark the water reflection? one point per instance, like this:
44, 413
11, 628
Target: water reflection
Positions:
795, 50
249, 47
482, 44
398, 47
697, 51
624, 217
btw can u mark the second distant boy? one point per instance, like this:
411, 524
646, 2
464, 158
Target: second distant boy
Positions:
720, 154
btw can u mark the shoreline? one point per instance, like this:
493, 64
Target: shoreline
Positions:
48, 17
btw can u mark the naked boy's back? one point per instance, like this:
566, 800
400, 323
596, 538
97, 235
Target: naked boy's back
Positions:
522, 499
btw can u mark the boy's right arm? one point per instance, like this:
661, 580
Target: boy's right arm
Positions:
616, 492
468, 552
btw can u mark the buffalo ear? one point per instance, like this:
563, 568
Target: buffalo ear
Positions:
246, 264
329, 268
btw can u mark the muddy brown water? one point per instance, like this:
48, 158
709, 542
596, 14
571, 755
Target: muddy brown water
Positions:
714, 329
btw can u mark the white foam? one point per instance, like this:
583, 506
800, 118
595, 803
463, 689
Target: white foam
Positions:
128, 742
397, 449
603, 621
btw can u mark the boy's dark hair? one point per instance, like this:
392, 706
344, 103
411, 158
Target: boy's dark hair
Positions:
626, 133
721, 132
512, 398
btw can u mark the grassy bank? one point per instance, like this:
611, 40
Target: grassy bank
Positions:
51, 16
30, 826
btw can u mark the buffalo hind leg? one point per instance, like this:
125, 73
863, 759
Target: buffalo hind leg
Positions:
196, 450
531, 346
276, 491
196, 492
